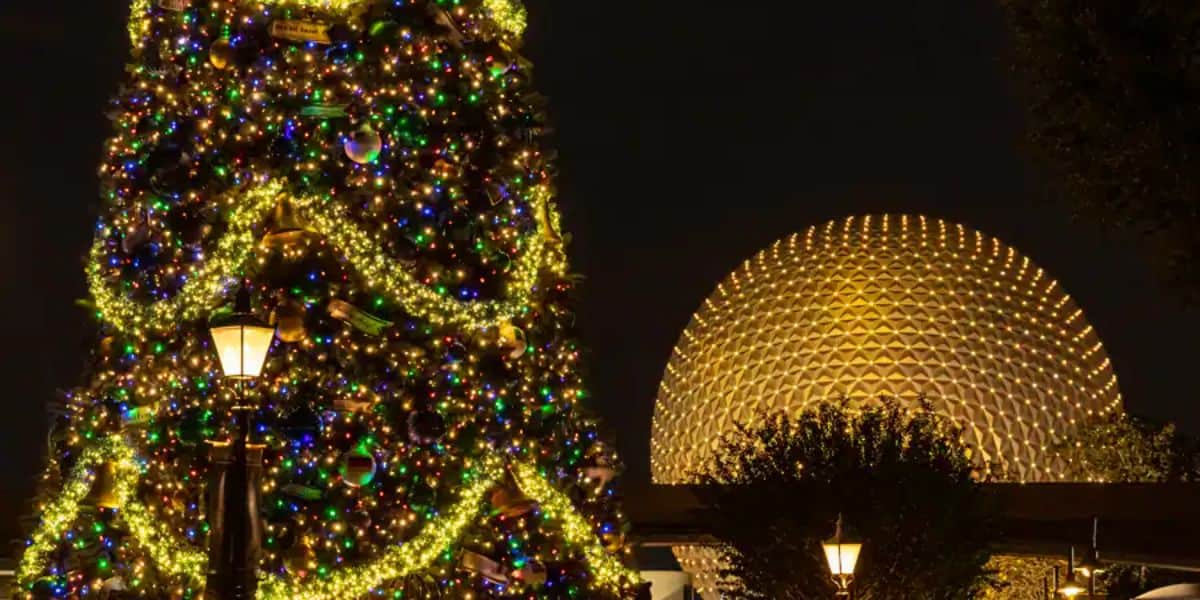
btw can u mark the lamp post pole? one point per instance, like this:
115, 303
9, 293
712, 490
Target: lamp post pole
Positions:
235, 534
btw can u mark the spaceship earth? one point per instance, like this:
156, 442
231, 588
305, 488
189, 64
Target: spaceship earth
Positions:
907, 307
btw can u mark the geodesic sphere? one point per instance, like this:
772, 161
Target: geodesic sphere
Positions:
898, 306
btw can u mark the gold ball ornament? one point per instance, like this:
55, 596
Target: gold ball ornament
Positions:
104, 490
288, 320
221, 54
512, 339
364, 146
357, 468
300, 559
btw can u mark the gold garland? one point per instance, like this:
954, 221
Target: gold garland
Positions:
206, 285
608, 571
509, 15
174, 557
177, 557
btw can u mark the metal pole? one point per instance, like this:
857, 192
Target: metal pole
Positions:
242, 572
234, 554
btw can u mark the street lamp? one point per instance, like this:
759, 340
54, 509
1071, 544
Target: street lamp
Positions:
842, 555
1090, 566
242, 340
1070, 588
235, 535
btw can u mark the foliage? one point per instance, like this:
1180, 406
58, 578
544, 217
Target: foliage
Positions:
1114, 94
1129, 581
1125, 448
902, 480
1020, 577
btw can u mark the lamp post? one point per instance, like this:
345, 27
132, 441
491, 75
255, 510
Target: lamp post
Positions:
842, 555
242, 342
1090, 566
1070, 587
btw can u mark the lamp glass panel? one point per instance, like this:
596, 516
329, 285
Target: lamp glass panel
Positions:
242, 349
842, 557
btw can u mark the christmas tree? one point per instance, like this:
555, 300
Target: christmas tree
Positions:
371, 178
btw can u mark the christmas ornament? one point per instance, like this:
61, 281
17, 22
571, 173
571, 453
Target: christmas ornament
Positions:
104, 489
508, 501
134, 416
300, 559
512, 338
532, 574
599, 467
351, 405
600, 474
425, 427
302, 492
222, 54
114, 584
385, 29
300, 31
363, 146
324, 111
613, 542
303, 424
357, 468
288, 319
107, 344
194, 426
360, 319
421, 497
135, 236
483, 566
286, 227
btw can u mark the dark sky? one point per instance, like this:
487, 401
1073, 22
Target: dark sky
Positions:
691, 135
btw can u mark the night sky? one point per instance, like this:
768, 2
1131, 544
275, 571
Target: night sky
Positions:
690, 134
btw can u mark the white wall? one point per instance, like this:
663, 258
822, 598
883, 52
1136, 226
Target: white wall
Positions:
667, 585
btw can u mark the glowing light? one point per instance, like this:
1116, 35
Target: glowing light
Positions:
178, 557
510, 15
235, 251
901, 306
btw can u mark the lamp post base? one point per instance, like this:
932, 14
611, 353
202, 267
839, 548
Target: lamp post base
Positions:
235, 534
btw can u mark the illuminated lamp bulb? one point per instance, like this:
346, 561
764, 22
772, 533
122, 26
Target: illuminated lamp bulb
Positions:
242, 340
841, 552
1070, 588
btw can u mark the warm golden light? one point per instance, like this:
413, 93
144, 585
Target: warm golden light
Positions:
242, 341
842, 557
902, 306
1070, 589
885, 305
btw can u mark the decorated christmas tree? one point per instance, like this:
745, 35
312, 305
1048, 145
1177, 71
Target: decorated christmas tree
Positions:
370, 179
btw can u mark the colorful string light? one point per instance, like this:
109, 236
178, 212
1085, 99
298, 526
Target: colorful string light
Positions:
378, 180
177, 557
235, 250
